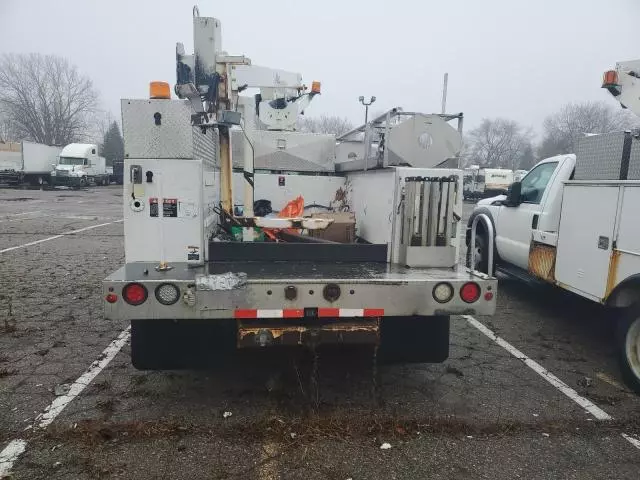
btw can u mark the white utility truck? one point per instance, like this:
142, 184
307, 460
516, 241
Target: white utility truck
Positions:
80, 165
26, 162
191, 288
573, 221
486, 182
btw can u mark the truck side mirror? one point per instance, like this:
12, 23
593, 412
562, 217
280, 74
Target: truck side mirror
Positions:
514, 196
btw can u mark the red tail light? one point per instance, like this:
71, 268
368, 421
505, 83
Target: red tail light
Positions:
470, 292
111, 298
134, 293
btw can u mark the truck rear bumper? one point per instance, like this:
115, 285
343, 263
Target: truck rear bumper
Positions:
292, 292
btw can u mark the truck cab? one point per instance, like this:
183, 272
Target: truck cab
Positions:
535, 215
78, 165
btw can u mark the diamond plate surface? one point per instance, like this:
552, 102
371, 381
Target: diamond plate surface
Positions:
162, 129
634, 161
599, 157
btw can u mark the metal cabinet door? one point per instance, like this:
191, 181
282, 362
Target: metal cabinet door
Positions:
585, 238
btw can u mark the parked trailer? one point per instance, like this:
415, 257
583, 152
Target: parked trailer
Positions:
486, 182
27, 162
191, 291
80, 165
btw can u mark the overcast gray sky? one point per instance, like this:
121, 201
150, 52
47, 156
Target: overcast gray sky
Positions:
511, 58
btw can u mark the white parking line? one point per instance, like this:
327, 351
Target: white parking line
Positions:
9, 217
15, 448
57, 236
632, 440
588, 405
9, 455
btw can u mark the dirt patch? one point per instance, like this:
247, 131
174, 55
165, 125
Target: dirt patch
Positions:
18, 199
341, 427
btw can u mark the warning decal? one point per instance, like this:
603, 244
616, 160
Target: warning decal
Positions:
193, 253
170, 207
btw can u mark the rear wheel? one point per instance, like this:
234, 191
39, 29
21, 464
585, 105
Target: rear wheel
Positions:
478, 260
415, 339
83, 181
628, 344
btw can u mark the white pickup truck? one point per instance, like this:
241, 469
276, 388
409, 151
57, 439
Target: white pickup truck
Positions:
574, 223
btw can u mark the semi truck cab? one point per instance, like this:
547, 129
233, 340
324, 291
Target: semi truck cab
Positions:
78, 165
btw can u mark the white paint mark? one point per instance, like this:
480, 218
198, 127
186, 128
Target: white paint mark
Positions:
632, 440
59, 404
72, 232
20, 214
9, 455
15, 448
11, 217
588, 405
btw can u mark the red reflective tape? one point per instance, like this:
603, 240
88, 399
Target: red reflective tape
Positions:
328, 312
246, 314
293, 313
373, 312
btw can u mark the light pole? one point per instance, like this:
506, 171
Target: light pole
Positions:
366, 107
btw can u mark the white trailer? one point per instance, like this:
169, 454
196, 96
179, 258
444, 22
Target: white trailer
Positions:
27, 162
486, 182
80, 165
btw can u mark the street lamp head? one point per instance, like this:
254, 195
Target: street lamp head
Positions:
373, 99
361, 99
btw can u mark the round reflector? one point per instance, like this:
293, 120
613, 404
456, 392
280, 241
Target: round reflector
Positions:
442, 292
134, 293
470, 292
167, 293
111, 298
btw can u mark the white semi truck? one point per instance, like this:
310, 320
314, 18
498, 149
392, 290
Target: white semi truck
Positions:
191, 290
573, 221
26, 162
79, 165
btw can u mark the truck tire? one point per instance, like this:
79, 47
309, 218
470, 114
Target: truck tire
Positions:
37, 181
415, 339
83, 181
481, 258
181, 344
628, 345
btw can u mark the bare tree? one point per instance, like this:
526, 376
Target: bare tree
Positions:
325, 124
45, 98
563, 128
499, 142
7, 133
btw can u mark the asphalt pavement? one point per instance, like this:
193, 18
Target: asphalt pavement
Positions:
542, 400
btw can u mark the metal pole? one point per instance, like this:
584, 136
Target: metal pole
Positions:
444, 93
226, 169
366, 114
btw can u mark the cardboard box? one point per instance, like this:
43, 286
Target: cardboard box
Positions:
342, 230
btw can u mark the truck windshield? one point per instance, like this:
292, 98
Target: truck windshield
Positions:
72, 161
535, 182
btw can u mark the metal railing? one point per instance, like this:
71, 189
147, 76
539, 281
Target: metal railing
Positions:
490, 241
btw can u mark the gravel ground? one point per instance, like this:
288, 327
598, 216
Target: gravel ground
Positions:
482, 414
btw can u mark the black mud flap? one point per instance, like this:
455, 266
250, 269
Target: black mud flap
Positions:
181, 344
416, 339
